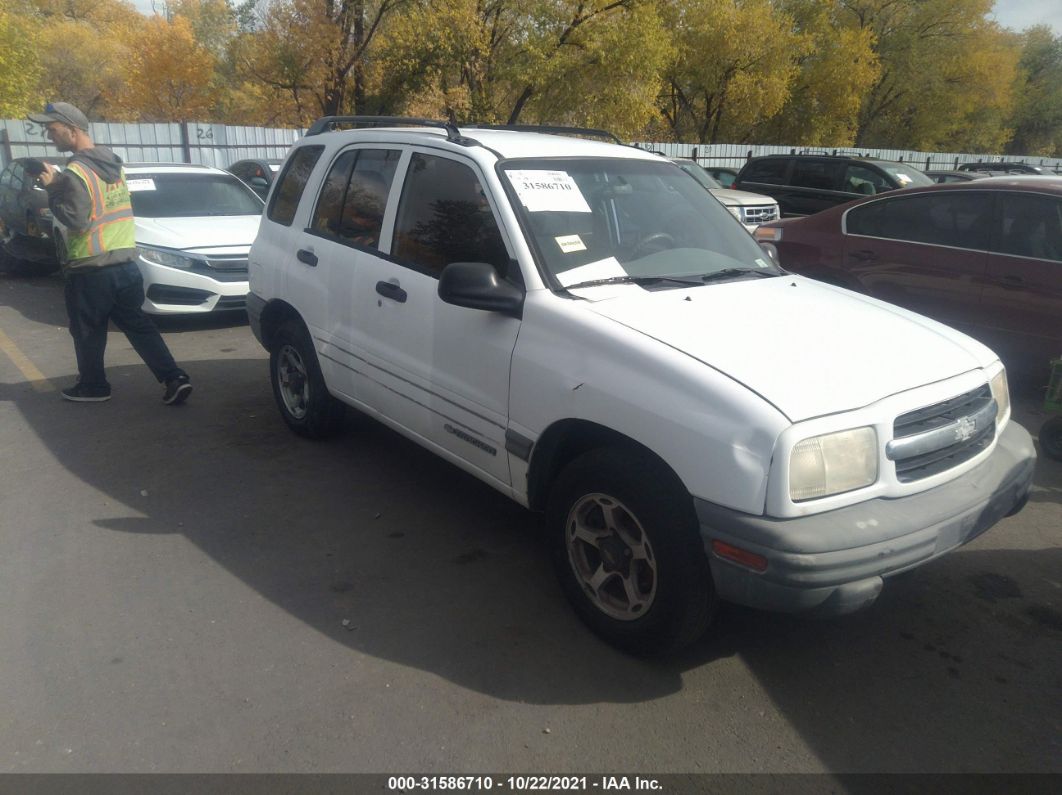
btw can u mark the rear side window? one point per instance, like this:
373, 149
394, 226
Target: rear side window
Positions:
444, 217
817, 174
769, 172
293, 180
956, 219
1032, 227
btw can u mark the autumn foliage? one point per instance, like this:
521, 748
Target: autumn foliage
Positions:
919, 74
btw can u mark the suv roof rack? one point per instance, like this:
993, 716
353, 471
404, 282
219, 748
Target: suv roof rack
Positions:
552, 129
329, 123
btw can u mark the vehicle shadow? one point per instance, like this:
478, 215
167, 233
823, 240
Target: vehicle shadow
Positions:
427, 566
390, 551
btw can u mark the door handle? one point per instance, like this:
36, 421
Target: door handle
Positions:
392, 291
307, 257
864, 255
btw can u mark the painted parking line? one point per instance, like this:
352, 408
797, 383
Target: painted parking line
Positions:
25, 366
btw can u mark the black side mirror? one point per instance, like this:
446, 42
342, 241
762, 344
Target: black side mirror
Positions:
476, 285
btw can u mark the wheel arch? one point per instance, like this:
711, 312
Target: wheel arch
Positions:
563, 442
275, 314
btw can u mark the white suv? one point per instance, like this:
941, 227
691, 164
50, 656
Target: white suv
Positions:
194, 229
581, 326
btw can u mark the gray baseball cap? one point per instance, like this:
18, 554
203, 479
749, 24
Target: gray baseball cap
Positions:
62, 112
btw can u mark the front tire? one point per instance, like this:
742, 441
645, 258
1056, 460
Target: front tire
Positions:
299, 387
626, 546
1051, 438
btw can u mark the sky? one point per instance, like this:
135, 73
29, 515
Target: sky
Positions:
1014, 14
1022, 14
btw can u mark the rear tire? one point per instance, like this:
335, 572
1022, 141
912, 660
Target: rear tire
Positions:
1051, 438
299, 387
626, 546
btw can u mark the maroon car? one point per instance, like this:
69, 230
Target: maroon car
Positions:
984, 257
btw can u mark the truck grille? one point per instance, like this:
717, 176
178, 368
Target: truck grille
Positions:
759, 214
936, 438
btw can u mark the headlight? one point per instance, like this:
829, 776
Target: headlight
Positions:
171, 259
768, 234
1001, 393
833, 463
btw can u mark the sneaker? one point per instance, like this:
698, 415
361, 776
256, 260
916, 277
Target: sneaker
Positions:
84, 394
177, 390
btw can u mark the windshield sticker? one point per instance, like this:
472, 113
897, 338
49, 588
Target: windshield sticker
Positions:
904, 179
548, 191
761, 264
140, 184
570, 243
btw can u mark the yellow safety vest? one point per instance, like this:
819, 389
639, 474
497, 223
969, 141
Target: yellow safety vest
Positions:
111, 221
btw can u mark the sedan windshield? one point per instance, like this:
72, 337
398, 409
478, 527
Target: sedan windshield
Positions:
595, 221
190, 195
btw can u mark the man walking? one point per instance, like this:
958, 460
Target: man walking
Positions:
103, 282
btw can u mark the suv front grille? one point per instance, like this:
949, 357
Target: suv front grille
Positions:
936, 438
759, 214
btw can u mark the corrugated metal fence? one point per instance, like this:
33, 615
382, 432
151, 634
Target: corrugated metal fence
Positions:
209, 144
735, 155
221, 145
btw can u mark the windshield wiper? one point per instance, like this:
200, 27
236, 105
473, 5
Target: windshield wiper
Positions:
694, 282
730, 273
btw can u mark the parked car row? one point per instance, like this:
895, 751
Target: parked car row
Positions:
983, 258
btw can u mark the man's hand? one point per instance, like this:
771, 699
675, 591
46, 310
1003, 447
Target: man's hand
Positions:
47, 175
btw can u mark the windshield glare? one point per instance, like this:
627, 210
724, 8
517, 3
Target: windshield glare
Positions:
907, 177
190, 195
593, 219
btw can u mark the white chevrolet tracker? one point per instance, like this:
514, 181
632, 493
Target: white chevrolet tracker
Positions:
582, 326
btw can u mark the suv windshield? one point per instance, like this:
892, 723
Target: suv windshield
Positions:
697, 171
905, 175
600, 220
189, 195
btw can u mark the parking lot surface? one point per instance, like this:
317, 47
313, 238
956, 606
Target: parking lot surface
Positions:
196, 589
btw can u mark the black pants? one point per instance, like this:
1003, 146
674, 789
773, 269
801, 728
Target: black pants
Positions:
115, 292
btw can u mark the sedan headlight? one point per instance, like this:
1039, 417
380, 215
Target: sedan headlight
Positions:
170, 259
833, 463
1001, 393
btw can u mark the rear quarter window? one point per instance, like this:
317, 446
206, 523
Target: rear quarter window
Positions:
293, 181
769, 172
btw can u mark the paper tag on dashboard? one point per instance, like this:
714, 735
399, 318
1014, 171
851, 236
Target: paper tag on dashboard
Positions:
570, 243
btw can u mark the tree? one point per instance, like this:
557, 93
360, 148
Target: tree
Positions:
1038, 113
169, 75
946, 74
20, 66
835, 73
734, 68
315, 51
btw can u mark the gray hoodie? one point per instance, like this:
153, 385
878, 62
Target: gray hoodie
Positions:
70, 203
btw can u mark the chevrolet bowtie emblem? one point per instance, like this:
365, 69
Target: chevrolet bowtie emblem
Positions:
964, 429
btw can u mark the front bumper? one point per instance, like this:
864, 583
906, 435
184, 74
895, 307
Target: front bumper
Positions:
170, 291
835, 562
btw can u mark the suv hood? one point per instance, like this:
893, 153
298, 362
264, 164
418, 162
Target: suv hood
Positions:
190, 234
809, 349
742, 198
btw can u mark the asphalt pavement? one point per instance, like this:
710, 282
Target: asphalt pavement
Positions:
196, 589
